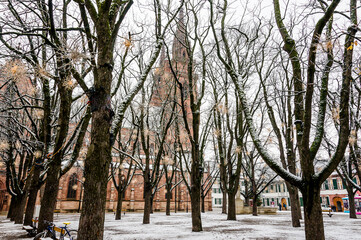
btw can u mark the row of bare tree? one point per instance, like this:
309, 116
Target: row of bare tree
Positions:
276, 93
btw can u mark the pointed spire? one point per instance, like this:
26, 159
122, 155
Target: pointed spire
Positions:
179, 42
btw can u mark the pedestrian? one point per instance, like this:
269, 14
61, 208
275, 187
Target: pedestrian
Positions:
280, 206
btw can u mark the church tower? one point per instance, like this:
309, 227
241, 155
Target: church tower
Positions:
163, 76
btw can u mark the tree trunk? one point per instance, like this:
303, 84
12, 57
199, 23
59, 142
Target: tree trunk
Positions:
49, 199
231, 206
33, 193
351, 202
313, 213
254, 207
19, 211
295, 205
15, 206
167, 210
203, 208
196, 209
11, 207
151, 203
91, 224
147, 203
224, 203
118, 213
52, 180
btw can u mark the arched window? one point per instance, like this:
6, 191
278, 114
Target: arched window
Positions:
72, 186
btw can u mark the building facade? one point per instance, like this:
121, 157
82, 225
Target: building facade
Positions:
332, 192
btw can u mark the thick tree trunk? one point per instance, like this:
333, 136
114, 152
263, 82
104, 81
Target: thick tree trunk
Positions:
351, 202
118, 213
254, 207
167, 210
91, 224
33, 193
231, 206
19, 211
11, 207
196, 209
224, 203
15, 206
147, 204
295, 205
49, 199
52, 180
313, 213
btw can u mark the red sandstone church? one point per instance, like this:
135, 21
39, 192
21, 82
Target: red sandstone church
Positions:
70, 188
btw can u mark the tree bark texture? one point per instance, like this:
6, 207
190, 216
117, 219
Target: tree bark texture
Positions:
52, 180
203, 207
33, 193
313, 213
231, 206
19, 211
147, 203
11, 207
167, 210
91, 224
224, 203
118, 213
196, 209
295, 205
254, 207
351, 202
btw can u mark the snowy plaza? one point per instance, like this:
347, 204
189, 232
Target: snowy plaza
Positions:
215, 226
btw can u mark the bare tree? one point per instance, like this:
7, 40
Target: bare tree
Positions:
310, 182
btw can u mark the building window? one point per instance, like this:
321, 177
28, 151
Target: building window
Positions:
326, 185
219, 190
301, 201
267, 201
334, 181
72, 186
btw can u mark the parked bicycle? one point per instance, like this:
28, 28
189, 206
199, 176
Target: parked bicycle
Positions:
51, 232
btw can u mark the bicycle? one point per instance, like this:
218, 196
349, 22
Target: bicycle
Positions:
51, 229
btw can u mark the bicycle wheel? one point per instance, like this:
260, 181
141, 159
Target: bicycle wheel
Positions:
72, 235
44, 234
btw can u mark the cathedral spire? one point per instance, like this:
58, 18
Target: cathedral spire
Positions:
179, 51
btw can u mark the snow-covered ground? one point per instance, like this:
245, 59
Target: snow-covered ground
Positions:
215, 226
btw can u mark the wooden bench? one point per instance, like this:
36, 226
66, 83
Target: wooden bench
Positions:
31, 229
